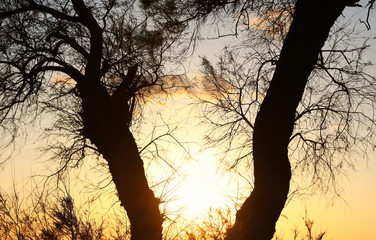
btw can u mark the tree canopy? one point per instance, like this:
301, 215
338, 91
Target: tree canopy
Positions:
296, 95
93, 64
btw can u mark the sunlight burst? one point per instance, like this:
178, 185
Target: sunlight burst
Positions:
200, 190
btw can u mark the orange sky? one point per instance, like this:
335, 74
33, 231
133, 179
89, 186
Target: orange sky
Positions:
349, 217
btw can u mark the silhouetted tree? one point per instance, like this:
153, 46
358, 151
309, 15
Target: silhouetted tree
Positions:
275, 120
339, 93
92, 63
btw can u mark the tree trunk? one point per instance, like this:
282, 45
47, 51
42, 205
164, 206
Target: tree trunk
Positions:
105, 121
274, 123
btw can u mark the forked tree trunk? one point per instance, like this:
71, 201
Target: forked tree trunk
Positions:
275, 121
105, 121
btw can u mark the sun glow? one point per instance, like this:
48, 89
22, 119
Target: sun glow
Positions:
200, 189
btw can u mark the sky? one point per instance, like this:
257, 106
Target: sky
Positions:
346, 217
201, 186
351, 215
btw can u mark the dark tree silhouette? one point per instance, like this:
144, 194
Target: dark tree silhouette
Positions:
335, 116
275, 120
107, 54
341, 100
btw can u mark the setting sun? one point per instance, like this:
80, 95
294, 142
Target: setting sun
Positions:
199, 191
182, 120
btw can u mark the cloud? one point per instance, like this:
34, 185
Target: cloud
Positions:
273, 22
63, 79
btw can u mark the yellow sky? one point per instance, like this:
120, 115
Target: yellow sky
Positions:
204, 186
348, 217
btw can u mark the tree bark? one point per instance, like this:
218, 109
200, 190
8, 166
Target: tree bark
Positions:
105, 117
105, 120
274, 123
